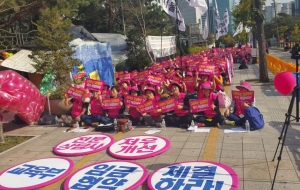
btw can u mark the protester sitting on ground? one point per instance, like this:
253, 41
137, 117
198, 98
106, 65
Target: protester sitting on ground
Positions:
181, 116
211, 117
78, 108
203, 79
153, 118
124, 88
134, 114
235, 113
112, 114
96, 111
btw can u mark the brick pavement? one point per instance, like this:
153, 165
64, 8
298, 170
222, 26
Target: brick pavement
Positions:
249, 154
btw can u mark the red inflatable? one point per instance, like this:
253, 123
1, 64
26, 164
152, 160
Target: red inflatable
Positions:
19, 95
285, 82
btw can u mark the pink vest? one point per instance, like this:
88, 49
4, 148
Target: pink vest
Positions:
179, 101
238, 108
105, 94
133, 112
211, 113
113, 113
76, 108
96, 108
155, 100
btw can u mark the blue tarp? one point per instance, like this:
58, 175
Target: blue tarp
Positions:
95, 56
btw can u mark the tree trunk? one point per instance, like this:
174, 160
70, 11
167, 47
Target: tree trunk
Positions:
1, 133
259, 18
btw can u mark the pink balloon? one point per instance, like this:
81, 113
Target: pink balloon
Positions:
19, 95
285, 82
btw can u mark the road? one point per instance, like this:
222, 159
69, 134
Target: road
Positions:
283, 55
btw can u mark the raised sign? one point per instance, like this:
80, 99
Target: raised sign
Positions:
138, 147
194, 175
35, 174
82, 145
116, 175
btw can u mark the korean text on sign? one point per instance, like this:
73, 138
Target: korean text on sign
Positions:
133, 100
138, 145
155, 80
189, 177
75, 92
167, 105
146, 107
93, 84
111, 103
206, 69
104, 176
33, 171
240, 96
199, 105
84, 143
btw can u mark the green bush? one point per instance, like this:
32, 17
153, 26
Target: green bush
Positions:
196, 49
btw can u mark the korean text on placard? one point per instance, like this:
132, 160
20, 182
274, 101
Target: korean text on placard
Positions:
84, 143
138, 145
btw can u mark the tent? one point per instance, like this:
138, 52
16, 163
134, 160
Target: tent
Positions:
118, 45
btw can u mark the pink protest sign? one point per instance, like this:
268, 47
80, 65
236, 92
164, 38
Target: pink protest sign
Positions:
35, 174
94, 85
134, 73
193, 65
133, 100
115, 174
158, 68
188, 80
75, 92
138, 147
124, 76
111, 103
199, 105
177, 79
170, 74
194, 175
246, 96
167, 105
155, 80
206, 69
83, 145
140, 77
146, 107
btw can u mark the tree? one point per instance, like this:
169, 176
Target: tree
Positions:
296, 34
53, 53
259, 19
17, 15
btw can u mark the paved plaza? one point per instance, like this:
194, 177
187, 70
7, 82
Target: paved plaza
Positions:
249, 154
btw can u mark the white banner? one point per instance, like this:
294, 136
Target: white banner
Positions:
217, 20
239, 29
248, 29
223, 27
199, 4
169, 6
167, 43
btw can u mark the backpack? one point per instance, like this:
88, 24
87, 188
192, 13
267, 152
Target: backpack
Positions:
254, 117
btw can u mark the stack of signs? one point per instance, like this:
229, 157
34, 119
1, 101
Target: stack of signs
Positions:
194, 175
137, 147
117, 175
35, 174
75, 92
83, 145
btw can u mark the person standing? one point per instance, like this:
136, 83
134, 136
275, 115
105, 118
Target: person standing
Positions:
267, 47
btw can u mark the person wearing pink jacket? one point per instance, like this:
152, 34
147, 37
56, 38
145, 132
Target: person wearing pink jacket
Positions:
212, 116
